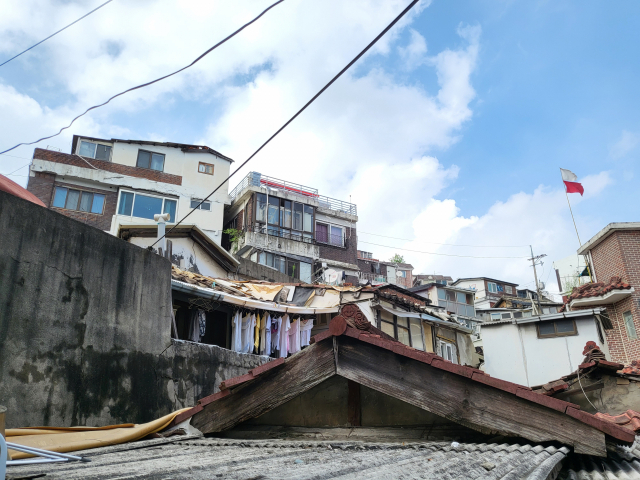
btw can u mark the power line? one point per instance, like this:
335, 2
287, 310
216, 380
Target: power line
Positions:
432, 253
153, 81
338, 75
7, 174
450, 244
53, 34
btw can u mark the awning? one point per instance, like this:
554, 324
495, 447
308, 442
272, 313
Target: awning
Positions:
426, 317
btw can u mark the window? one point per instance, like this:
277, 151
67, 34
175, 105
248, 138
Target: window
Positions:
492, 287
297, 216
401, 273
95, 150
517, 314
70, 199
508, 289
506, 315
442, 294
195, 203
630, 326
308, 219
145, 206
496, 316
153, 161
405, 330
447, 351
205, 168
461, 297
557, 328
451, 296
293, 268
261, 207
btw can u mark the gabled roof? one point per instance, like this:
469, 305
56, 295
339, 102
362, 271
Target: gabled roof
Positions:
605, 232
354, 349
484, 278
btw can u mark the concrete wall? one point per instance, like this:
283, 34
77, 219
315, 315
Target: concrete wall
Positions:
85, 327
516, 354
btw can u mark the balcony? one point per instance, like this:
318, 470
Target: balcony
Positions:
255, 179
373, 278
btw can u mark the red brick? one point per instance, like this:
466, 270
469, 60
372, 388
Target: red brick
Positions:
212, 398
452, 367
497, 383
232, 382
611, 429
266, 366
545, 400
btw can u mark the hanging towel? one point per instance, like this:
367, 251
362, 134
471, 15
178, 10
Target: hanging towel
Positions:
248, 324
305, 332
284, 336
265, 335
276, 324
294, 337
236, 332
256, 342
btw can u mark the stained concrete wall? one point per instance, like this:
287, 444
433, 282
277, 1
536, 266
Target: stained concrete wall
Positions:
85, 327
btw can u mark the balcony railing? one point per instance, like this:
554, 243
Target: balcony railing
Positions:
255, 179
372, 277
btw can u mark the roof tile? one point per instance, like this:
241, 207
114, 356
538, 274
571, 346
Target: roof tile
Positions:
545, 400
610, 428
496, 382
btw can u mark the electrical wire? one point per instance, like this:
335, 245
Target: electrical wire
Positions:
432, 253
151, 82
449, 244
338, 75
54, 34
7, 174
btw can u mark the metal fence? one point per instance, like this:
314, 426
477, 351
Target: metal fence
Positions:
256, 179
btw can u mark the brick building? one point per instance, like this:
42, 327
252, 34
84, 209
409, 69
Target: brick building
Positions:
292, 229
614, 254
376, 272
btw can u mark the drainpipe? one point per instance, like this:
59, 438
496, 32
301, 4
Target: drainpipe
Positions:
162, 219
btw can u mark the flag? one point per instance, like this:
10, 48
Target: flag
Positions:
571, 183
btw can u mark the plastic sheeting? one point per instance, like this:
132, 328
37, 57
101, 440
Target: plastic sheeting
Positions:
262, 292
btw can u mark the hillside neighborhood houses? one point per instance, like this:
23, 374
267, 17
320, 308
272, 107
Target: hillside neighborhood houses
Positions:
257, 278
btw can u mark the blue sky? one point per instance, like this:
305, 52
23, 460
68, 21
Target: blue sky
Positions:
451, 131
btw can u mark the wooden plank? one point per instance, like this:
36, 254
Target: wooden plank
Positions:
299, 373
462, 400
353, 404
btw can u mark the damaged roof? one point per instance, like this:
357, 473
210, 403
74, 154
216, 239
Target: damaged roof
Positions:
597, 289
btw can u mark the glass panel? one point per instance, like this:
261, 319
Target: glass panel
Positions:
336, 236
553, 309
144, 158
471, 312
297, 216
126, 201
506, 315
98, 203
286, 222
194, 203
60, 197
270, 259
206, 206
495, 316
546, 328
403, 321
526, 314
146, 207
322, 232
280, 264
305, 272
492, 287
308, 218
261, 207
387, 328
87, 149
262, 258
274, 205
442, 294
517, 314
293, 269
72, 199
103, 152
157, 162
461, 297
469, 299
416, 334
564, 326
630, 326
403, 336
451, 296
85, 202
307, 237
170, 208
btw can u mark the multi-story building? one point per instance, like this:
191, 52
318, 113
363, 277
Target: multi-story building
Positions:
487, 290
456, 301
293, 229
426, 279
614, 255
375, 272
116, 185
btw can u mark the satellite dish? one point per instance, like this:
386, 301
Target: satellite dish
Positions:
330, 275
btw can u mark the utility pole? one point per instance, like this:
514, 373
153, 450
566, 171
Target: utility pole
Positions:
534, 262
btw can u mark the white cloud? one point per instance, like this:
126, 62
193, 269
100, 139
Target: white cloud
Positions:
625, 144
414, 54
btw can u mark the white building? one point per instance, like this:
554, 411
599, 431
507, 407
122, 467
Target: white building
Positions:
487, 290
115, 184
536, 350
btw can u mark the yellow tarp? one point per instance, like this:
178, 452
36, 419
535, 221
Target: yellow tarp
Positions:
263, 292
72, 439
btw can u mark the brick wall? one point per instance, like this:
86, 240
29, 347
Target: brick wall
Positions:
76, 161
619, 255
341, 254
41, 185
101, 221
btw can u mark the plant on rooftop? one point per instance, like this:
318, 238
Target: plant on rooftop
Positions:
397, 258
234, 237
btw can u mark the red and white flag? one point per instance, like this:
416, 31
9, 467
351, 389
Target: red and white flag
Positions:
571, 183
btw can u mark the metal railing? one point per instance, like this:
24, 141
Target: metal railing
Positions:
278, 232
255, 179
372, 277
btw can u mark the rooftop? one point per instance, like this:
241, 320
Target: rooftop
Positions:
605, 232
484, 278
256, 179
599, 292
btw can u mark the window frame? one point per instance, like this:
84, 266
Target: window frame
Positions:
280, 229
626, 316
205, 165
329, 236
79, 146
556, 333
151, 154
80, 193
508, 289
407, 328
133, 204
199, 207
489, 287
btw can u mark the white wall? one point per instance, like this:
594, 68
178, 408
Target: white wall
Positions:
516, 354
476, 285
193, 255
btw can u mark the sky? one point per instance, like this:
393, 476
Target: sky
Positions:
448, 135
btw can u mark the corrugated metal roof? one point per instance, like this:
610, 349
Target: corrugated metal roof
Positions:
207, 458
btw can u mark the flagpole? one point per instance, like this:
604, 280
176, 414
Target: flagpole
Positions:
575, 226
